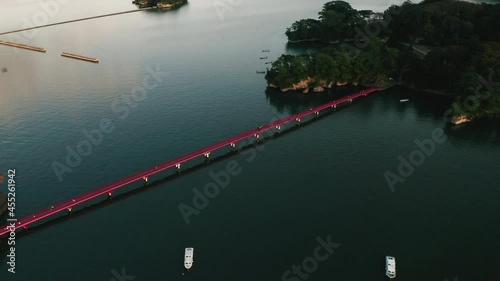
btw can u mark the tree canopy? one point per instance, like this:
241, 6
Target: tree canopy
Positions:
461, 42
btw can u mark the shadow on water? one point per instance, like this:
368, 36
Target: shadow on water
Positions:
173, 11
295, 101
304, 48
139, 188
484, 131
426, 105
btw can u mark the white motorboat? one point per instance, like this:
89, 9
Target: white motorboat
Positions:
390, 267
403, 100
188, 258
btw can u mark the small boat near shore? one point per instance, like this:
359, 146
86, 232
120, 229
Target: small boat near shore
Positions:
390, 267
404, 100
263, 58
260, 72
269, 62
188, 258
266, 51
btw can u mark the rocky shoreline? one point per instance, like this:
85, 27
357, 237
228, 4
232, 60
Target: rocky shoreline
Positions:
309, 85
165, 5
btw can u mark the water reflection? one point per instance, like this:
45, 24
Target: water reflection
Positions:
294, 101
303, 48
173, 11
484, 131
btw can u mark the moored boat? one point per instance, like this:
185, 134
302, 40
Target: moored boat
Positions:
403, 100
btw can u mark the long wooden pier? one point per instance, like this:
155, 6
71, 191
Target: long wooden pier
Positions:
78, 57
174, 163
22, 46
76, 20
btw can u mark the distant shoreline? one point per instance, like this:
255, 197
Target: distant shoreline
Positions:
77, 20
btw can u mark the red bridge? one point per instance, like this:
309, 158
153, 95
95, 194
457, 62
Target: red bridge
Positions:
176, 162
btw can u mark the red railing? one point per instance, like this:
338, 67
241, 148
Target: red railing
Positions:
110, 187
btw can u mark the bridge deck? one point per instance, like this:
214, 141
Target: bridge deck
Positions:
84, 197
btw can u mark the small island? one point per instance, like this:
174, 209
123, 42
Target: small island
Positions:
161, 4
441, 46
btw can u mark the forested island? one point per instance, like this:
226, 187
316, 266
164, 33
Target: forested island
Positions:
161, 4
445, 46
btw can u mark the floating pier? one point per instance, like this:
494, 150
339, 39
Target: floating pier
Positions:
78, 57
22, 46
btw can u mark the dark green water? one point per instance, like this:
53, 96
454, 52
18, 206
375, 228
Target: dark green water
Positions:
324, 178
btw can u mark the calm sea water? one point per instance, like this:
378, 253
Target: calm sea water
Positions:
324, 178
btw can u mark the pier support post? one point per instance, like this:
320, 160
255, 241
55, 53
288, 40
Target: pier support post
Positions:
278, 128
317, 113
178, 167
207, 155
145, 179
233, 146
257, 136
297, 120
70, 209
109, 195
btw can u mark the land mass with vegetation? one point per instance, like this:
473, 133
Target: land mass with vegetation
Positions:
161, 4
451, 47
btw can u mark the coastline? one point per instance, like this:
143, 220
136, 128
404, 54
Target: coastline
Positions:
160, 5
305, 87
